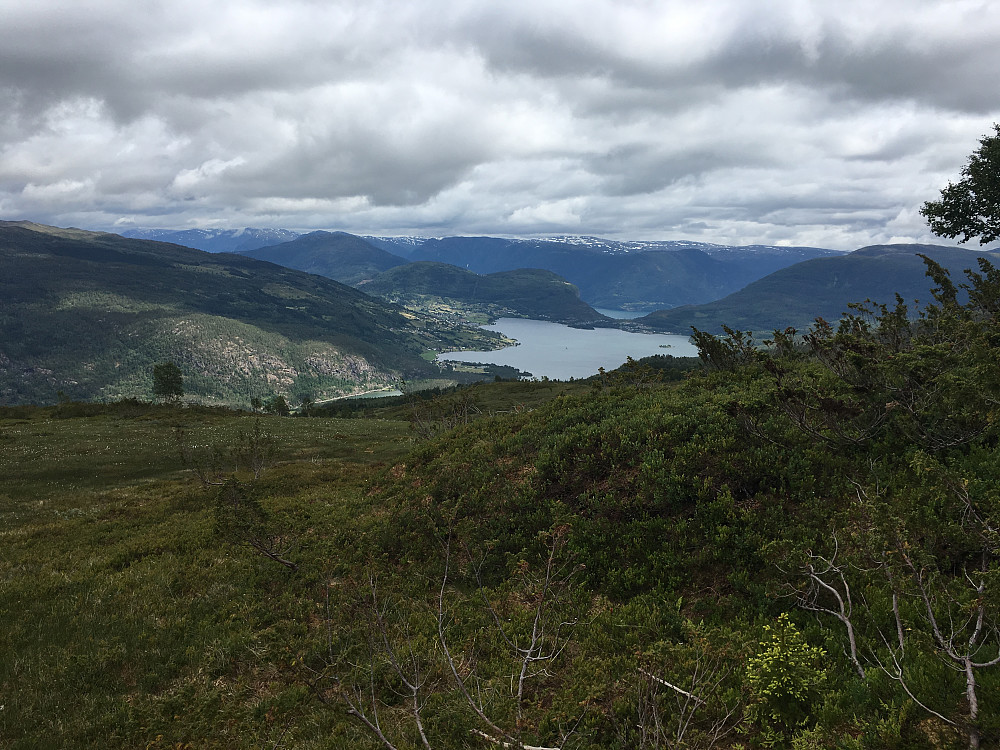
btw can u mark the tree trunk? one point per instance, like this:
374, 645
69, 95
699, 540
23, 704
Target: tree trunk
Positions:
970, 691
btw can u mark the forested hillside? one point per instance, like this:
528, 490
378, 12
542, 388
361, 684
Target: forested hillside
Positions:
821, 287
526, 292
88, 314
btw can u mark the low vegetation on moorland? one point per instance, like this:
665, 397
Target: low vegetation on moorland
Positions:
792, 546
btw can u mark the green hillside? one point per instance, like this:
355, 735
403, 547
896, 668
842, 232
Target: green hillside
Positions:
88, 314
336, 255
526, 292
822, 287
794, 548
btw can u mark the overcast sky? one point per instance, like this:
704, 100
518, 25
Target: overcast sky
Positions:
805, 122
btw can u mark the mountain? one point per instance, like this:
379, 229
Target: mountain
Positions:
88, 314
215, 240
403, 246
822, 287
336, 255
623, 275
640, 275
408, 246
531, 293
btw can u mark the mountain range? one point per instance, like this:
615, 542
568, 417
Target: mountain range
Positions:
618, 275
640, 276
682, 283
87, 314
823, 287
215, 240
439, 287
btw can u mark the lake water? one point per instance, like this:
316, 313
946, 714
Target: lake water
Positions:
619, 314
559, 352
376, 394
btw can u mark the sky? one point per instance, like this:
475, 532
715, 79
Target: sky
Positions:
802, 122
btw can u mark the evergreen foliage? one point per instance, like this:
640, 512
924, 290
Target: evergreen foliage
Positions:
277, 405
786, 678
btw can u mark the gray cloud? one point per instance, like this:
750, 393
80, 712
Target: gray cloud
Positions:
725, 120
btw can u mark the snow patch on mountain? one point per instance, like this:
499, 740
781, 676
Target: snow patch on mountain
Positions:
216, 240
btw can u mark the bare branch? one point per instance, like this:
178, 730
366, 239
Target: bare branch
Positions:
661, 681
897, 675
816, 570
459, 681
504, 743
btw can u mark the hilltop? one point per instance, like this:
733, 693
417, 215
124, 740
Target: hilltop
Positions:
336, 255
547, 563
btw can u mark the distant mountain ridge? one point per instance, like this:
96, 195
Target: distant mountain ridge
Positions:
215, 240
407, 245
640, 275
823, 287
628, 276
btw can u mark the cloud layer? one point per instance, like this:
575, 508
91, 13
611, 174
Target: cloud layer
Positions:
738, 121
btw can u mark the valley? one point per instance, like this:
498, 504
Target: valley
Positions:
189, 574
499, 376
88, 314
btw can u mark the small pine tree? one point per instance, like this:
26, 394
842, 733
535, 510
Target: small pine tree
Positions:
786, 676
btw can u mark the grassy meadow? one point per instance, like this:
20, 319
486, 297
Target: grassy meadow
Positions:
127, 622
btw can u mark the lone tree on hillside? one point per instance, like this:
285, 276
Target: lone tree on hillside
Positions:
168, 381
971, 206
306, 403
277, 405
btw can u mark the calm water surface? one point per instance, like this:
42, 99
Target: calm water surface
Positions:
559, 352
619, 314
